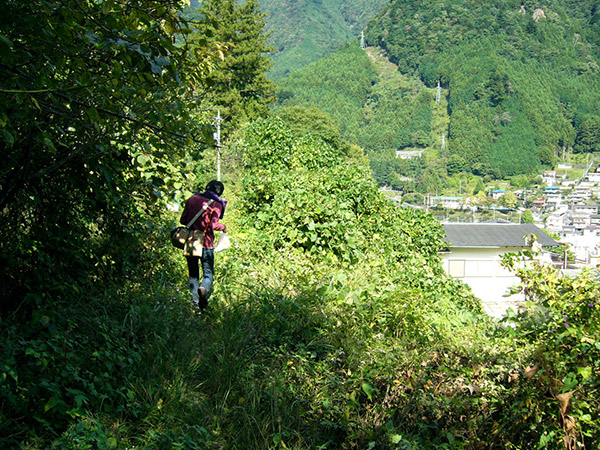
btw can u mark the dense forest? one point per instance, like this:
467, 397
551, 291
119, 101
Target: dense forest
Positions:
332, 324
304, 31
520, 87
375, 107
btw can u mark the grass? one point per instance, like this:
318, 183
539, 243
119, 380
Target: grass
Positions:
272, 367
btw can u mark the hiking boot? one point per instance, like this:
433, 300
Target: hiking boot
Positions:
194, 291
202, 300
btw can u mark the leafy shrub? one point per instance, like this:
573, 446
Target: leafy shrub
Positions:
554, 398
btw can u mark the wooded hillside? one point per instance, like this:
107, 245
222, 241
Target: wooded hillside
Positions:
522, 77
303, 31
521, 83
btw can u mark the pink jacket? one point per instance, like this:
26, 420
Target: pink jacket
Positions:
207, 222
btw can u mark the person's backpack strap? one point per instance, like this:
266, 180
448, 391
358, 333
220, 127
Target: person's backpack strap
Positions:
199, 213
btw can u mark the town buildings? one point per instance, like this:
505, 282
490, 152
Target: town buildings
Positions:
567, 210
571, 213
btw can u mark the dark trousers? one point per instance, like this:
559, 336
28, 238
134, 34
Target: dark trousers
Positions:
208, 268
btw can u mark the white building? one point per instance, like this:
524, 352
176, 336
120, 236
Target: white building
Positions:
588, 208
556, 221
409, 154
580, 194
549, 177
584, 245
554, 201
594, 177
447, 202
496, 194
474, 257
581, 221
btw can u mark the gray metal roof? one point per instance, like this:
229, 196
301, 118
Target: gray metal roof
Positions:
494, 235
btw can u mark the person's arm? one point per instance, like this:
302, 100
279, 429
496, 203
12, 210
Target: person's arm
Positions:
215, 224
184, 220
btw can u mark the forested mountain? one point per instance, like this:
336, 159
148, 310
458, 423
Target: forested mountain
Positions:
303, 31
522, 77
521, 81
374, 106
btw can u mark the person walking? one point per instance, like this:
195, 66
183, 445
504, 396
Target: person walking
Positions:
203, 232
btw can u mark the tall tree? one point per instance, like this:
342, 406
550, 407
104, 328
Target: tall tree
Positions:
311, 121
89, 94
527, 216
238, 84
588, 135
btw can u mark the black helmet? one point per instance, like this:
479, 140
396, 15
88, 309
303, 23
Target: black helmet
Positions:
215, 186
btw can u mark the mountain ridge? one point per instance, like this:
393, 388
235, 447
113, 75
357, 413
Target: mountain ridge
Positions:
521, 87
303, 31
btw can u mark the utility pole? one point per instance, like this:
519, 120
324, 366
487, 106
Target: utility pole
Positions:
217, 138
362, 40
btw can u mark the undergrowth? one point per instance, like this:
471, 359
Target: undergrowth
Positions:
332, 326
266, 368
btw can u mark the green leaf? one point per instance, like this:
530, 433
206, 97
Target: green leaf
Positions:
9, 138
92, 113
368, 389
6, 41
585, 372
117, 68
570, 382
107, 6
50, 404
49, 144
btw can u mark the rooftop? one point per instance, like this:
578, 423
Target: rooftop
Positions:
494, 235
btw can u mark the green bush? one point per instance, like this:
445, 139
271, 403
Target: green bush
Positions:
554, 394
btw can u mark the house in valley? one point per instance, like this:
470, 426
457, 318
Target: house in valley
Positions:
474, 255
556, 221
447, 202
497, 193
585, 208
549, 177
594, 177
